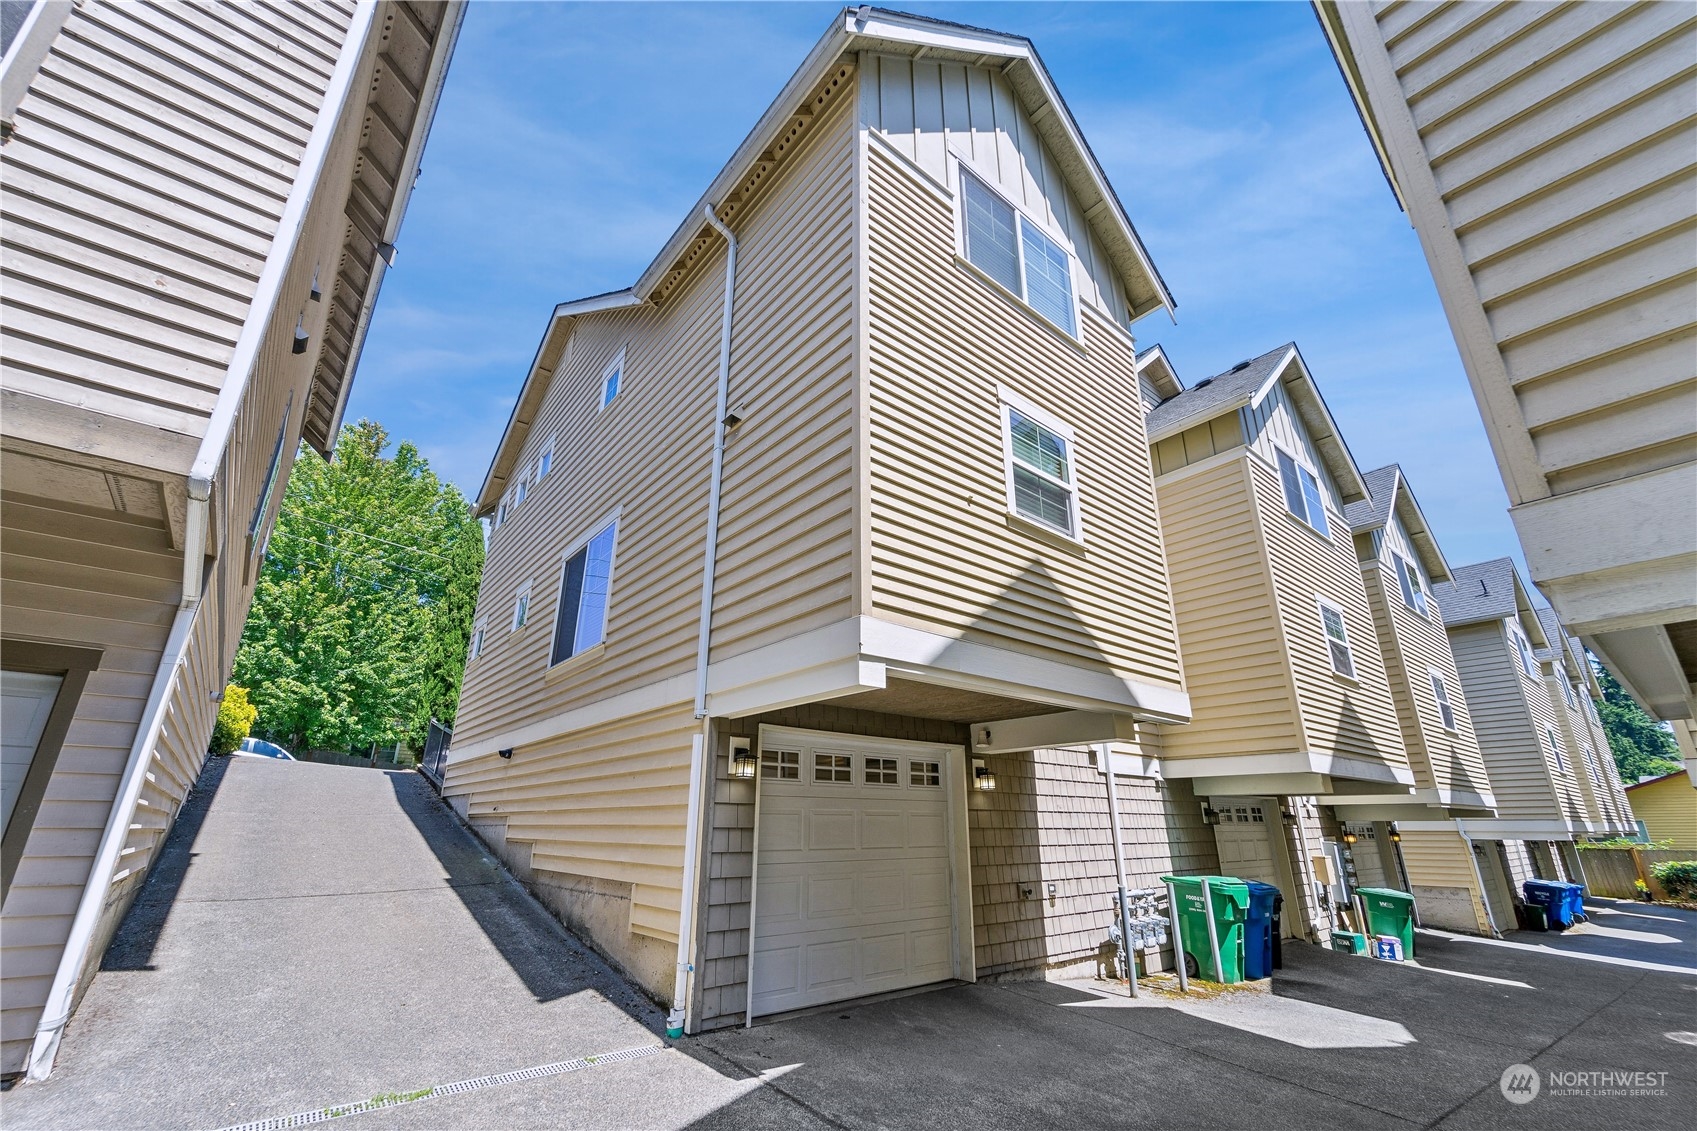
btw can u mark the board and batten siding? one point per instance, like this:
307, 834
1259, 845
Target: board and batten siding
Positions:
1559, 140
1234, 657
944, 554
932, 112
1413, 647
1509, 711
1353, 717
608, 803
129, 268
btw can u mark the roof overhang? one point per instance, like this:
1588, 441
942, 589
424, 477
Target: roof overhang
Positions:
1413, 519
1154, 366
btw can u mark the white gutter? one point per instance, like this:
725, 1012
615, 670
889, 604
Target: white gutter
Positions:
62, 993
704, 632
430, 95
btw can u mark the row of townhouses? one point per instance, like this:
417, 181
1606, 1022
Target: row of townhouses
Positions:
844, 566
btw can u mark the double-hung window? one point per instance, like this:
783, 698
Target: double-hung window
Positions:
475, 649
1441, 692
1408, 576
1015, 252
1555, 750
584, 588
1567, 694
1524, 649
1337, 639
1302, 493
611, 377
545, 461
521, 607
1042, 476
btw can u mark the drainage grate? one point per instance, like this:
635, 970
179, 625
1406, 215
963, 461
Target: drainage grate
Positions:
325, 1114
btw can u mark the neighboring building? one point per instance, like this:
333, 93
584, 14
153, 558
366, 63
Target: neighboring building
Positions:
200, 204
1543, 154
1574, 692
777, 587
1518, 714
1425, 853
1666, 807
1296, 728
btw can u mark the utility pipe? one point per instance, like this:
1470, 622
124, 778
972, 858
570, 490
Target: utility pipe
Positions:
675, 1020
1104, 752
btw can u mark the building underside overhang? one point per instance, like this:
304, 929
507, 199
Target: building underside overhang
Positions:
1298, 773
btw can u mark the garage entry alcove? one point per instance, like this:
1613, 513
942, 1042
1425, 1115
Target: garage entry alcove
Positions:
861, 869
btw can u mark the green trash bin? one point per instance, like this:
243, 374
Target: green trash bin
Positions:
1389, 912
1349, 942
1231, 908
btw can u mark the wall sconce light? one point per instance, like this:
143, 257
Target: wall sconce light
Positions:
1348, 837
743, 762
301, 336
982, 778
1210, 815
1396, 837
507, 753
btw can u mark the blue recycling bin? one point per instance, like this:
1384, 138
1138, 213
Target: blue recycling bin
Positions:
1261, 929
1556, 900
1575, 895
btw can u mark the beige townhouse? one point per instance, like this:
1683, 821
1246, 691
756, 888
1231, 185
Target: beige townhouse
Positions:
825, 580
1295, 725
1542, 151
201, 201
1535, 770
1422, 852
1574, 692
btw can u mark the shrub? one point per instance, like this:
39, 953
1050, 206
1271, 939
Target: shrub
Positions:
235, 721
1624, 842
1679, 877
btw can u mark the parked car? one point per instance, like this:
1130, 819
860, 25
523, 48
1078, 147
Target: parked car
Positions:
259, 748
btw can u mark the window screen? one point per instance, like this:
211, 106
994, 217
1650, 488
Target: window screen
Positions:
583, 597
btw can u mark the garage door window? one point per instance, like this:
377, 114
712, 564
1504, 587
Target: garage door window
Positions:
833, 768
882, 771
785, 765
925, 774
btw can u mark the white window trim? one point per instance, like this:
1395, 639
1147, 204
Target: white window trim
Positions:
611, 518
1522, 650
958, 165
1438, 681
1319, 489
477, 631
1320, 605
1561, 761
545, 458
521, 607
1415, 585
1009, 399
618, 364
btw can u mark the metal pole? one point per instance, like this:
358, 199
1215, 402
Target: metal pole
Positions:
1102, 752
1213, 931
1178, 941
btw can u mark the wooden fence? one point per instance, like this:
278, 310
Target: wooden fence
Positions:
1611, 872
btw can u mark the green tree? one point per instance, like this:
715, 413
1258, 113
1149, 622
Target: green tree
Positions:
360, 621
1641, 746
235, 721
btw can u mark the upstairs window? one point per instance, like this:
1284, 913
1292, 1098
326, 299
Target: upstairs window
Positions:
1302, 494
1337, 639
1591, 768
1567, 694
1016, 253
1556, 751
521, 607
1524, 649
610, 378
1441, 692
584, 589
1041, 477
545, 461
1408, 576
476, 647
521, 487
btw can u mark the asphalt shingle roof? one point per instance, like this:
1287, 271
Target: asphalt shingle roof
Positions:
1375, 510
1481, 591
1212, 395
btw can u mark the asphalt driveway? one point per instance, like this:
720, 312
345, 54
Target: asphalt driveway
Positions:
317, 936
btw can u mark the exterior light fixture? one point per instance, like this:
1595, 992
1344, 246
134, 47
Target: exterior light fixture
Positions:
982, 778
1396, 837
743, 762
1210, 815
507, 753
1348, 837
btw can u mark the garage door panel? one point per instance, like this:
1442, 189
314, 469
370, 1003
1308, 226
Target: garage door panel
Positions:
853, 881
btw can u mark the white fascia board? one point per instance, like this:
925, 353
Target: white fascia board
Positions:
1291, 762
1130, 764
1060, 728
1513, 828
1258, 785
1307, 396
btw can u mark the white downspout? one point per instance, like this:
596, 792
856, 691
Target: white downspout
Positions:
704, 632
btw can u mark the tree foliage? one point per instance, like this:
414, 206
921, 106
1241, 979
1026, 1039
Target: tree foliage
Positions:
363, 612
1641, 746
235, 721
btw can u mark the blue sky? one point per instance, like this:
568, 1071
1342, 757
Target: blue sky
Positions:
572, 138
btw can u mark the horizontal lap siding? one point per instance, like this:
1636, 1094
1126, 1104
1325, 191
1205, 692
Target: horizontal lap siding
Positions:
787, 488
1498, 699
1339, 716
1669, 811
1586, 792
1561, 140
146, 255
1443, 860
944, 557
1234, 656
1413, 645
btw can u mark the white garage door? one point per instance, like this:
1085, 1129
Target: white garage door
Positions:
853, 877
